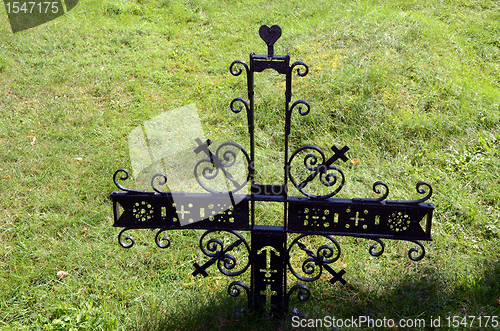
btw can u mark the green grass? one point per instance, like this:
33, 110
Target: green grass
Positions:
411, 87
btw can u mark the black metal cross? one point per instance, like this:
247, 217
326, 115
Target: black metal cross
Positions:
269, 258
202, 269
337, 276
338, 154
219, 255
203, 146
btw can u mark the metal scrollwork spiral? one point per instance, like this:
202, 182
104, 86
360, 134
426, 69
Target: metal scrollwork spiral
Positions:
300, 73
330, 176
224, 158
239, 100
421, 189
374, 247
226, 262
303, 292
300, 103
413, 250
377, 190
313, 266
124, 177
163, 242
162, 181
237, 73
234, 289
130, 239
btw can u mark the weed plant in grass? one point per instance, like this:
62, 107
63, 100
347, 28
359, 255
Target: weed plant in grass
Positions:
411, 87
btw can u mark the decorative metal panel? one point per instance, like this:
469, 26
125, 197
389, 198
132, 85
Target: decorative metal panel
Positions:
160, 211
392, 221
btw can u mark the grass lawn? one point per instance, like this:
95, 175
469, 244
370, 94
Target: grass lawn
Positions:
412, 87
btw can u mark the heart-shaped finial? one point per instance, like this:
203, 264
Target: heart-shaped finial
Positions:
270, 34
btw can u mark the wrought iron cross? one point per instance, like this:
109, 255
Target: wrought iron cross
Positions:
315, 214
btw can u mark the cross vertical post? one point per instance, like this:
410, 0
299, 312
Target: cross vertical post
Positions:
268, 268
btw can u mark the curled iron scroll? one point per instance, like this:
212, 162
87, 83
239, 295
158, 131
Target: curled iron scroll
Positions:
376, 189
234, 289
330, 176
241, 100
130, 239
215, 248
374, 246
303, 292
225, 157
301, 102
124, 177
413, 250
162, 181
300, 73
313, 266
163, 242
420, 190
237, 73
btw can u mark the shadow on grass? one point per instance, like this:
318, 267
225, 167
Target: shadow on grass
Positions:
219, 312
426, 295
